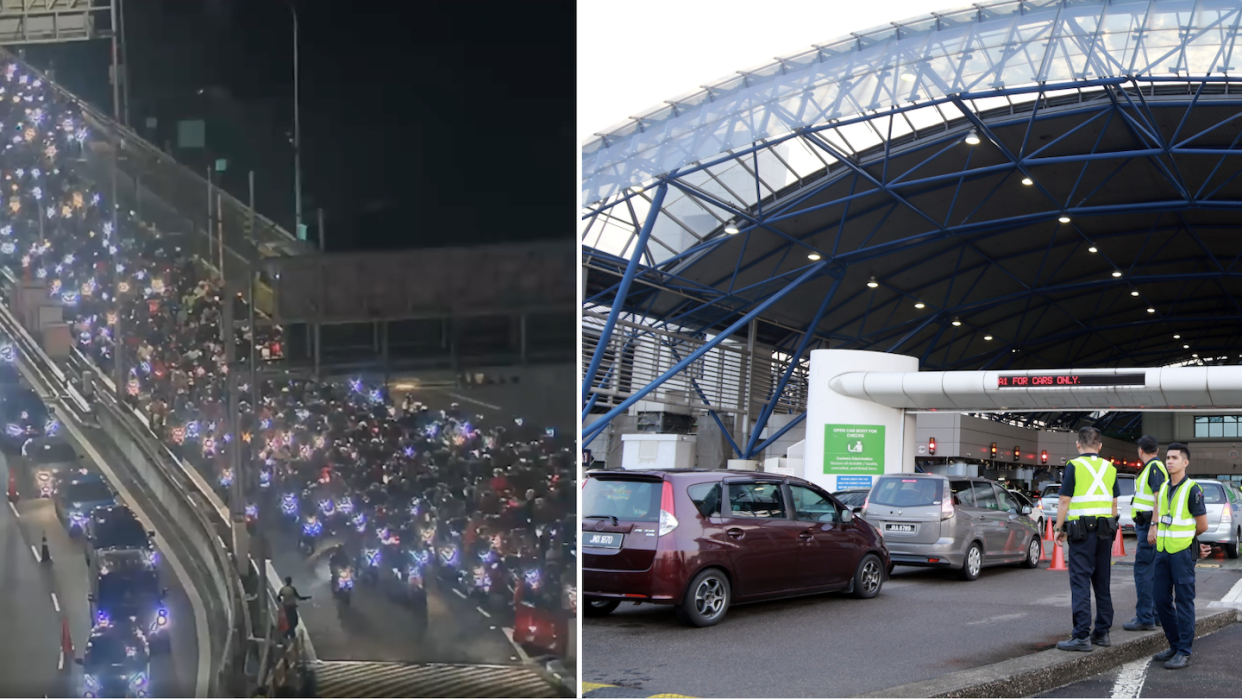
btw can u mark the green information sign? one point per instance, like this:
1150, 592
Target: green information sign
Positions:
854, 449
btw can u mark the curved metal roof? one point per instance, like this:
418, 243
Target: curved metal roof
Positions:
990, 45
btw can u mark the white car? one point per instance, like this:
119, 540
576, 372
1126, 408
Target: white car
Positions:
1049, 498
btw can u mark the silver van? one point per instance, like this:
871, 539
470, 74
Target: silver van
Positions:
1224, 529
955, 522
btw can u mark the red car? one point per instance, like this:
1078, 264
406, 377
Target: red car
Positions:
703, 540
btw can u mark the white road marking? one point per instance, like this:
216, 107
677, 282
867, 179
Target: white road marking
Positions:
14, 508
60, 664
996, 619
1130, 679
35, 551
521, 653
459, 593
468, 399
484, 612
56, 603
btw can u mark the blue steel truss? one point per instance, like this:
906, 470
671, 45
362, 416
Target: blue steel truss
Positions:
1027, 184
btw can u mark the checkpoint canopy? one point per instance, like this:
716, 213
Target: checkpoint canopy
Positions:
860, 422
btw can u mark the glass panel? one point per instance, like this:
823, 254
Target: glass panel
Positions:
1231, 428
1215, 429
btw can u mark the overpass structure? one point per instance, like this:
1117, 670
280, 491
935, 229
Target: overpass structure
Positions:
1017, 185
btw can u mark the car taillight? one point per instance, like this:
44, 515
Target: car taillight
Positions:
946, 508
667, 521
1226, 514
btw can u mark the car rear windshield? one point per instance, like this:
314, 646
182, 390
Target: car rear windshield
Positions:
906, 492
86, 491
1051, 491
629, 500
1213, 493
1127, 486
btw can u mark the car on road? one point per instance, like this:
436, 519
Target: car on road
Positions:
116, 527
852, 498
23, 416
47, 461
77, 496
125, 585
704, 540
117, 661
1050, 499
1224, 521
960, 523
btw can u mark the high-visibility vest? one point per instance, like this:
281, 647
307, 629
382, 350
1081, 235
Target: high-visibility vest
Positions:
1144, 500
1177, 536
1094, 479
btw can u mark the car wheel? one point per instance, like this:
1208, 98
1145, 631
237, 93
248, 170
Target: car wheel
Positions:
707, 599
869, 577
600, 607
1231, 550
1033, 551
973, 563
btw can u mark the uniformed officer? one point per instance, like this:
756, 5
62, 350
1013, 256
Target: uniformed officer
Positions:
1087, 517
1153, 476
1181, 517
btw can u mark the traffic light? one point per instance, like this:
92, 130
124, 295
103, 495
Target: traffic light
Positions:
1017, 453
931, 445
993, 450
1043, 456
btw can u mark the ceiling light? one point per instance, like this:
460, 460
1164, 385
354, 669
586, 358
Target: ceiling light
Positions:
956, 322
1177, 337
732, 229
972, 138
813, 257
1093, 249
1116, 273
1134, 292
1064, 219
988, 338
1185, 346
908, 77
1027, 181
1196, 356
1151, 310
873, 283
919, 304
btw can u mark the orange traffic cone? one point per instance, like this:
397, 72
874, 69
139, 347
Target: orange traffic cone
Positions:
1119, 545
1048, 532
66, 640
13, 495
1058, 558
1043, 550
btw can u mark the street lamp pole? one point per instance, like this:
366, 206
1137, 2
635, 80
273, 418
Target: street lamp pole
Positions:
297, 129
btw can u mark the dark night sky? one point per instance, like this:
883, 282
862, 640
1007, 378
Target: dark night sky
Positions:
423, 123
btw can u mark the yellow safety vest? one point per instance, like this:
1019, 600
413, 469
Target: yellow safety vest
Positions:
1094, 479
1144, 500
1177, 536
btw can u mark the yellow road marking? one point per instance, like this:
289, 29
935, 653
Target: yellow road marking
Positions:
591, 686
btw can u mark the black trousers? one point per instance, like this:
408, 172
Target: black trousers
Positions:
1090, 568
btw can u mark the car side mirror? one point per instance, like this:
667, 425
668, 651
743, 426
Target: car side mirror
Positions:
1026, 509
90, 598
847, 517
77, 661
151, 533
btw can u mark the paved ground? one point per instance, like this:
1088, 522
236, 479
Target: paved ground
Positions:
925, 623
1214, 672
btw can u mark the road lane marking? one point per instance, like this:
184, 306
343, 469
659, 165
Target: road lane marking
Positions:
56, 603
468, 399
1129, 683
35, 551
521, 653
459, 593
996, 619
483, 612
14, 508
60, 664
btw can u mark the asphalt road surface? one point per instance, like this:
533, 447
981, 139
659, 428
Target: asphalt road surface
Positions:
1214, 672
924, 624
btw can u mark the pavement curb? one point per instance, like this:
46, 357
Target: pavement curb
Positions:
1047, 670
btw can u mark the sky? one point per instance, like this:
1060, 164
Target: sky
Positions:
656, 51
423, 124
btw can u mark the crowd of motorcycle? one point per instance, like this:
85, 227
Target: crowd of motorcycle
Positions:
399, 496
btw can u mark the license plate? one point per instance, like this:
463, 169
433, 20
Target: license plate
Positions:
605, 541
900, 528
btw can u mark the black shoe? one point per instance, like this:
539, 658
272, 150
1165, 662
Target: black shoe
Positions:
1136, 625
1164, 655
1177, 662
1101, 639
1081, 645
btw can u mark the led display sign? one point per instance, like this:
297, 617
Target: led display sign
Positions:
1069, 380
